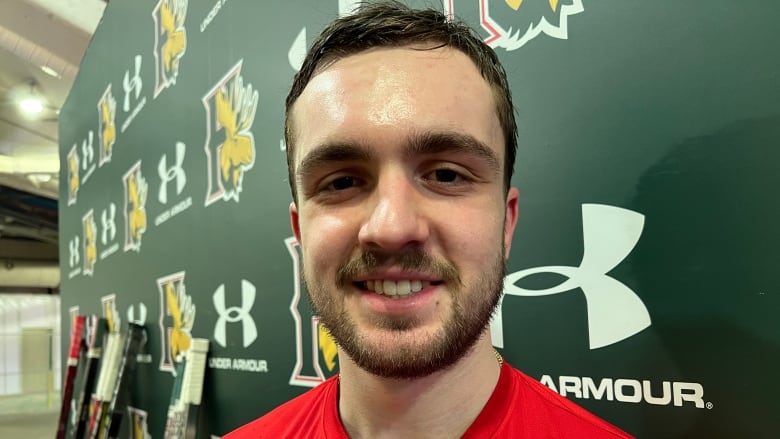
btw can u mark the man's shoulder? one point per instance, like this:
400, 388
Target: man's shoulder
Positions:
560, 413
301, 416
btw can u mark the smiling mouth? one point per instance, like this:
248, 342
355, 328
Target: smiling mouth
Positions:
395, 289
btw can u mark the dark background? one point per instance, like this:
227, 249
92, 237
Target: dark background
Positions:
669, 109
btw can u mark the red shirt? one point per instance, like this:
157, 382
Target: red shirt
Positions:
520, 407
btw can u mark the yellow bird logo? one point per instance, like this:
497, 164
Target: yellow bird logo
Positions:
172, 14
90, 248
136, 193
328, 347
108, 127
73, 171
138, 428
111, 314
182, 311
235, 112
515, 4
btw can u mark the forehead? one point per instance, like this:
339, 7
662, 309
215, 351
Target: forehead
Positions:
379, 96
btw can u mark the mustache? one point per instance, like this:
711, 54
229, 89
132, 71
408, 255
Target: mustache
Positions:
414, 259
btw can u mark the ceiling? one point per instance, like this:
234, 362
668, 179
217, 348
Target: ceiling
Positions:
41, 46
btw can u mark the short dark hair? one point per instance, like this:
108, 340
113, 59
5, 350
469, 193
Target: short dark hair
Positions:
393, 24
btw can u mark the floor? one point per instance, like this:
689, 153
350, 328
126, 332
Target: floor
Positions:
30, 417
29, 425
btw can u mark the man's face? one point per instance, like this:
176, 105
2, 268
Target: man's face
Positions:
402, 217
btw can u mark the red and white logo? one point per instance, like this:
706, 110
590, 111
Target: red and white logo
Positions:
510, 24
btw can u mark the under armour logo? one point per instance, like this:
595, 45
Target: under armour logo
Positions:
87, 151
108, 219
139, 318
348, 7
73, 251
175, 172
614, 311
132, 85
235, 314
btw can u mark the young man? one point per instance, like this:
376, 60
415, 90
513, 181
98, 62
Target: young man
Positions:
400, 146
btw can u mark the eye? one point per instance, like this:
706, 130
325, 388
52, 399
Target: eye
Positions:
342, 183
445, 175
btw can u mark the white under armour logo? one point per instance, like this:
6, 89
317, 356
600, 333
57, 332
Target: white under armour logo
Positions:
87, 150
235, 314
108, 219
175, 172
132, 85
73, 251
614, 311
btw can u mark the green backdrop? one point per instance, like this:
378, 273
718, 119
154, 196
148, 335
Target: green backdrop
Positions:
642, 282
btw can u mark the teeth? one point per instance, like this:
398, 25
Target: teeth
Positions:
403, 288
396, 289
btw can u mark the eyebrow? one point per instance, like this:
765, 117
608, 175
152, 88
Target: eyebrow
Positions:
329, 153
429, 143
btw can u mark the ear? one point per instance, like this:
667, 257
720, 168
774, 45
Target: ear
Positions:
294, 224
510, 219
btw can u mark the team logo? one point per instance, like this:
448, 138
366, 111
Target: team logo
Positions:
177, 315
316, 354
90, 244
136, 189
230, 145
327, 346
510, 24
107, 132
170, 41
139, 428
92, 329
73, 175
615, 312
110, 313
73, 313
235, 314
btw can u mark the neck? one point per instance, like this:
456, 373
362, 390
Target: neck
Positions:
443, 404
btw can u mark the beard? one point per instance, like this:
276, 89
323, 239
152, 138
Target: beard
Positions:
407, 358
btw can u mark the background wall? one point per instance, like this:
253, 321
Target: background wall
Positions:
642, 281
29, 344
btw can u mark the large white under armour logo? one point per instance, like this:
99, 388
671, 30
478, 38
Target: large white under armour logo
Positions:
108, 219
235, 314
615, 312
175, 172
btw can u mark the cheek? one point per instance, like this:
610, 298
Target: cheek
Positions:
477, 235
325, 238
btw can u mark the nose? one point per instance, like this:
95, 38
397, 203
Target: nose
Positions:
395, 215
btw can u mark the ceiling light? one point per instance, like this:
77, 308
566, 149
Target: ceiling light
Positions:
31, 105
51, 72
29, 99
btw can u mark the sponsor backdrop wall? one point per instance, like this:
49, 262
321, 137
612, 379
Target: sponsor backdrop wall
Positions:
643, 280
